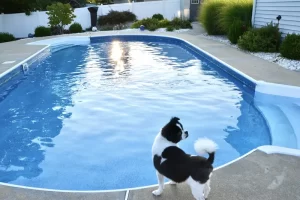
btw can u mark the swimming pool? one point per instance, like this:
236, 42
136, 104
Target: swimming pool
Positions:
86, 116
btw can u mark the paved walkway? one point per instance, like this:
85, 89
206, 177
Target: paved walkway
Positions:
257, 176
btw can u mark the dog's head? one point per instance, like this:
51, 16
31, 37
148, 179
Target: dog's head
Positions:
173, 131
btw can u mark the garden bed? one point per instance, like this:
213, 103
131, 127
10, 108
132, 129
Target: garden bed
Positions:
160, 30
271, 57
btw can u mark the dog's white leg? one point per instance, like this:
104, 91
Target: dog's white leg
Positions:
160, 189
206, 189
197, 191
172, 182
197, 188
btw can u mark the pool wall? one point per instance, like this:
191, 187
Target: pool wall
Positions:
261, 91
10, 79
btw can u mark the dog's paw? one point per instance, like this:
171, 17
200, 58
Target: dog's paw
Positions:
157, 192
172, 183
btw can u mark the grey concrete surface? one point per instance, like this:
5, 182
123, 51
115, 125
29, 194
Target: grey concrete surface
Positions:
15, 51
171, 192
257, 176
12, 193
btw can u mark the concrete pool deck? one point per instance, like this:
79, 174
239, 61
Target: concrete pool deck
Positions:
258, 176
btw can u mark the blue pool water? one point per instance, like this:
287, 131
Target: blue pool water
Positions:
85, 119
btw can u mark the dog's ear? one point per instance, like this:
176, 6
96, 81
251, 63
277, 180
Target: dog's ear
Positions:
174, 120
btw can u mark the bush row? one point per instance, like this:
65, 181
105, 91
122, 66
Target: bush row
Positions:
116, 17
290, 47
6, 37
230, 17
264, 39
116, 20
157, 21
268, 39
233, 18
42, 31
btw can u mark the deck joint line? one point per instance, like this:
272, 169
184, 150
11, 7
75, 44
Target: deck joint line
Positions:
127, 195
8, 62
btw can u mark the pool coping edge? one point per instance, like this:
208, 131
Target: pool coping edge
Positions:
268, 149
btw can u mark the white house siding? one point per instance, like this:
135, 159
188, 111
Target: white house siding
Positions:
265, 11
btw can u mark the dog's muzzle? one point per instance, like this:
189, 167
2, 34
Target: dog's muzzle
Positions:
185, 134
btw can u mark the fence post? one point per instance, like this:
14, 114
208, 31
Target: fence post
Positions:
132, 6
164, 8
99, 10
39, 18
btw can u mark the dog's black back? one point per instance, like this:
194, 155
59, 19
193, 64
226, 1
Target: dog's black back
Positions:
178, 165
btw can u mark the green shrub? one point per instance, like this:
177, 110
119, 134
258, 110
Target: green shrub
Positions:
152, 27
210, 16
107, 28
75, 28
6, 37
170, 28
158, 17
129, 16
236, 10
264, 39
290, 47
42, 31
164, 23
137, 24
236, 30
116, 17
147, 22
153, 23
178, 23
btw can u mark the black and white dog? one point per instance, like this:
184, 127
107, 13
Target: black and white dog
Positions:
172, 162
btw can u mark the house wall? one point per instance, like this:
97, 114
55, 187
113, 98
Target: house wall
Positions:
265, 11
21, 25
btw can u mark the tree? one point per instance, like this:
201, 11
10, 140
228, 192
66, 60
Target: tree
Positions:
16, 6
60, 15
97, 2
74, 3
27, 6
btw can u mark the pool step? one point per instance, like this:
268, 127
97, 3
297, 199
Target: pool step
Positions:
292, 112
282, 132
59, 47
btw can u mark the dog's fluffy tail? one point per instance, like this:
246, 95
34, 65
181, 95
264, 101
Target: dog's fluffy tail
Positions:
204, 145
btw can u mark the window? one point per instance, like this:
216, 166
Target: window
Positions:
195, 1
